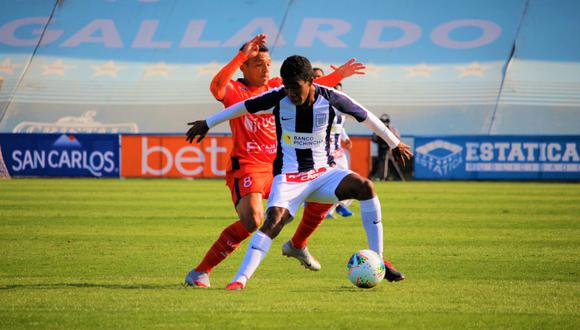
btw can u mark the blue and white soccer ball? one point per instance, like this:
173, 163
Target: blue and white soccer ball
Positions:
365, 269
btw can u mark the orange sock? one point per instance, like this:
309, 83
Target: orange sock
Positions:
228, 242
313, 215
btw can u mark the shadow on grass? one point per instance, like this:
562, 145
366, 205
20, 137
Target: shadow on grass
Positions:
342, 289
92, 285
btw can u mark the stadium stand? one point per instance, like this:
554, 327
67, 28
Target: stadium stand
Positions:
492, 67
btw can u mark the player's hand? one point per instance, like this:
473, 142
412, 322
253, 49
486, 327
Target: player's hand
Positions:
349, 68
346, 144
198, 128
252, 48
402, 153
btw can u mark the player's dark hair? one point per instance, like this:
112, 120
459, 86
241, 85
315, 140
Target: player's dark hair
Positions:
263, 48
317, 69
296, 68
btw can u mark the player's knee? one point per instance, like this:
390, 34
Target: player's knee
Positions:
252, 219
272, 227
273, 224
355, 186
366, 189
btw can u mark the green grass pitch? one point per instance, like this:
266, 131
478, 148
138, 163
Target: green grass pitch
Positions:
106, 254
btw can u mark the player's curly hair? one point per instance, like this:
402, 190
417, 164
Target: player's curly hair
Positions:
296, 68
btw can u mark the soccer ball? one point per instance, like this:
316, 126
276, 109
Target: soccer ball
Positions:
365, 269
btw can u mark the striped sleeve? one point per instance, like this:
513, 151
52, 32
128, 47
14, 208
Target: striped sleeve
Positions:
346, 105
265, 101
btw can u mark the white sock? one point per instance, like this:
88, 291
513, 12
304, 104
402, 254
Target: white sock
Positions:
370, 210
257, 250
346, 202
331, 211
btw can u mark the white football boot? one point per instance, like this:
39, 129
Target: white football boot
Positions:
198, 279
305, 258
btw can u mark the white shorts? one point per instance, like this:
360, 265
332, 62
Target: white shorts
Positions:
286, 192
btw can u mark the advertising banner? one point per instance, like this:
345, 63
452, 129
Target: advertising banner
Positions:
61, 155
497, 157
171, 156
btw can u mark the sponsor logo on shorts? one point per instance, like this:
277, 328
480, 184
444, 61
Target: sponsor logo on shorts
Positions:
305, 176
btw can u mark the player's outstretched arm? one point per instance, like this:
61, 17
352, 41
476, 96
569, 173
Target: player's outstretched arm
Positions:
351, 67
219, 83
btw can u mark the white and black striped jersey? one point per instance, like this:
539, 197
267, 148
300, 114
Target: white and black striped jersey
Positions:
304, 132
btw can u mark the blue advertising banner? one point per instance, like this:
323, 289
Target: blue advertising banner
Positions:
68, 155
497, 157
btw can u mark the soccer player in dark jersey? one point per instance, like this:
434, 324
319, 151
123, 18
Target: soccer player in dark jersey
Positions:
339, 138
303, 168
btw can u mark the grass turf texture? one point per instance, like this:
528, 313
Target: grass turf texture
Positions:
112, 254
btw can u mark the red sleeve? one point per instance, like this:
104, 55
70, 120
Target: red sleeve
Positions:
275, 82
329, 80
221, 80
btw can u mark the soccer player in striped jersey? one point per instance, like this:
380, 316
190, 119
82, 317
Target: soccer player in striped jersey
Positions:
249, 172
304, 168
297, 246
